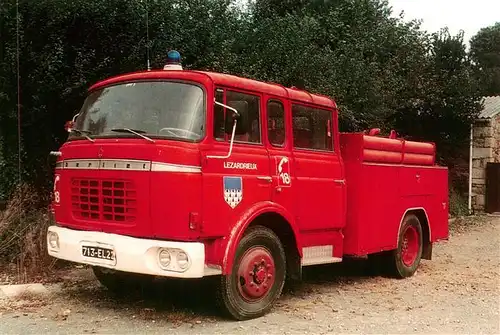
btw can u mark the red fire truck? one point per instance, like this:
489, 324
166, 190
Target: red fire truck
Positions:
189, 174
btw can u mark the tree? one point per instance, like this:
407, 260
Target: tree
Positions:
444, 109
485, 53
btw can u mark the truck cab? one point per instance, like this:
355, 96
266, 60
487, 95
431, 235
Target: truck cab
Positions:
189, 174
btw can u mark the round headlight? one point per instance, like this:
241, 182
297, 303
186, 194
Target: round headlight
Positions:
164, 258
53, 240
182, 260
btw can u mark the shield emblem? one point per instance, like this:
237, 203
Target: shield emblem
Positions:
233, 191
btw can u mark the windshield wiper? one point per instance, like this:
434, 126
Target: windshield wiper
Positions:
85, 134
137, 132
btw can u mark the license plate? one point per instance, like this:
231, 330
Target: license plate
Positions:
98, 253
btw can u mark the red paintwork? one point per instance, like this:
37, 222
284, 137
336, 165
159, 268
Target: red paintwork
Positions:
385, 178
379, 194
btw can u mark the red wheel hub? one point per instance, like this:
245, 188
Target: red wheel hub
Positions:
256, 273
410, 246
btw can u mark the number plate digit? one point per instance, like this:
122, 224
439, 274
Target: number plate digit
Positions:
98, 253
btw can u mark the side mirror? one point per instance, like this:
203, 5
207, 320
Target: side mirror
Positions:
68, 126
241, 118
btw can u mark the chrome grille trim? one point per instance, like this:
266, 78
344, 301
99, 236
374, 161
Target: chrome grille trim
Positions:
125, 165
87, 164
106, 164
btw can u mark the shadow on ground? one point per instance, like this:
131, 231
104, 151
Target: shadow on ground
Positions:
181, 300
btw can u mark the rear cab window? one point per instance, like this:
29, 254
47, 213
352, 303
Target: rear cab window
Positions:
312, 128
276, 129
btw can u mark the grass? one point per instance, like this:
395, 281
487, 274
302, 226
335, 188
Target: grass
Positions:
458, 203
23, 227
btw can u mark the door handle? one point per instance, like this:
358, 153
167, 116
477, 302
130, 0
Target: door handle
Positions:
265, 178
340, 181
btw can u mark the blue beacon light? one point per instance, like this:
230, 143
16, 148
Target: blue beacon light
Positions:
173, 61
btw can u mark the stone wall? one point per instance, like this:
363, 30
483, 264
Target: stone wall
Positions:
496, 139
486, 148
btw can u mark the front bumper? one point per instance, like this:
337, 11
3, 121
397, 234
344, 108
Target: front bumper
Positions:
131, 254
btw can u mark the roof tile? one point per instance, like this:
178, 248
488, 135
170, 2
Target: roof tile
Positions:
491, 107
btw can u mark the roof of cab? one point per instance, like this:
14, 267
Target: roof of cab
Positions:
227, 80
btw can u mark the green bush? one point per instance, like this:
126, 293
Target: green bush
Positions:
458, 203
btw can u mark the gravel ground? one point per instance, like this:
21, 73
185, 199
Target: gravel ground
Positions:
457, 292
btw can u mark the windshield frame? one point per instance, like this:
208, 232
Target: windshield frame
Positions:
79, 137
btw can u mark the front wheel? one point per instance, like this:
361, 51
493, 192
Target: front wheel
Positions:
404, 261
257, 277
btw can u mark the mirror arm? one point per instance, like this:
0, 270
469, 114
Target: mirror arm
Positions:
230, 145
74, 117
232, 134
228, 107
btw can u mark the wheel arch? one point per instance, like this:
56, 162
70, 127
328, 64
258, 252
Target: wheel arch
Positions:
276, 218
421, 214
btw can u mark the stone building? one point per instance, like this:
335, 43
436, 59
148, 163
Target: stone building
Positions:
486, 148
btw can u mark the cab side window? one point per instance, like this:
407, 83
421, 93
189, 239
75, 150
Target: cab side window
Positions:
312, 128
250, 104
246, 104
276, 123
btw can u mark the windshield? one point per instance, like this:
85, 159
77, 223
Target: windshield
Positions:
155, 109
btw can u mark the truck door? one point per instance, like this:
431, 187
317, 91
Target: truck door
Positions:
319, 180
280, 156
232, 185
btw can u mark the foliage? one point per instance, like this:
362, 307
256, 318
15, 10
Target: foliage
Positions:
381, 70
485, 53
23, 233
458, 203
448, 102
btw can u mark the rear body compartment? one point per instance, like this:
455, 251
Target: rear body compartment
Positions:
386, 178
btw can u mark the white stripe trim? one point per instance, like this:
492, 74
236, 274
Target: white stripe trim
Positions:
167, 167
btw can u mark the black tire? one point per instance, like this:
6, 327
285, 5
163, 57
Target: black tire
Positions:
396, 264
230, 296
121, 282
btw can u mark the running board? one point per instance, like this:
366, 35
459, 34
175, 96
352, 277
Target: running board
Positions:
316, 255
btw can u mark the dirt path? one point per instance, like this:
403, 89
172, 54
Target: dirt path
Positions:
457, 292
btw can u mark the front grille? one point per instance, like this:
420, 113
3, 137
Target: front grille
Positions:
104, 200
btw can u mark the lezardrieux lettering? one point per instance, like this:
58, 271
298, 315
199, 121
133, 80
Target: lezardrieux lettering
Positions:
240, 166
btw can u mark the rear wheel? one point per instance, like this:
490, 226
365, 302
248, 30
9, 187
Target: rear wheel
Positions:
121, 282
257, 277
404, 261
